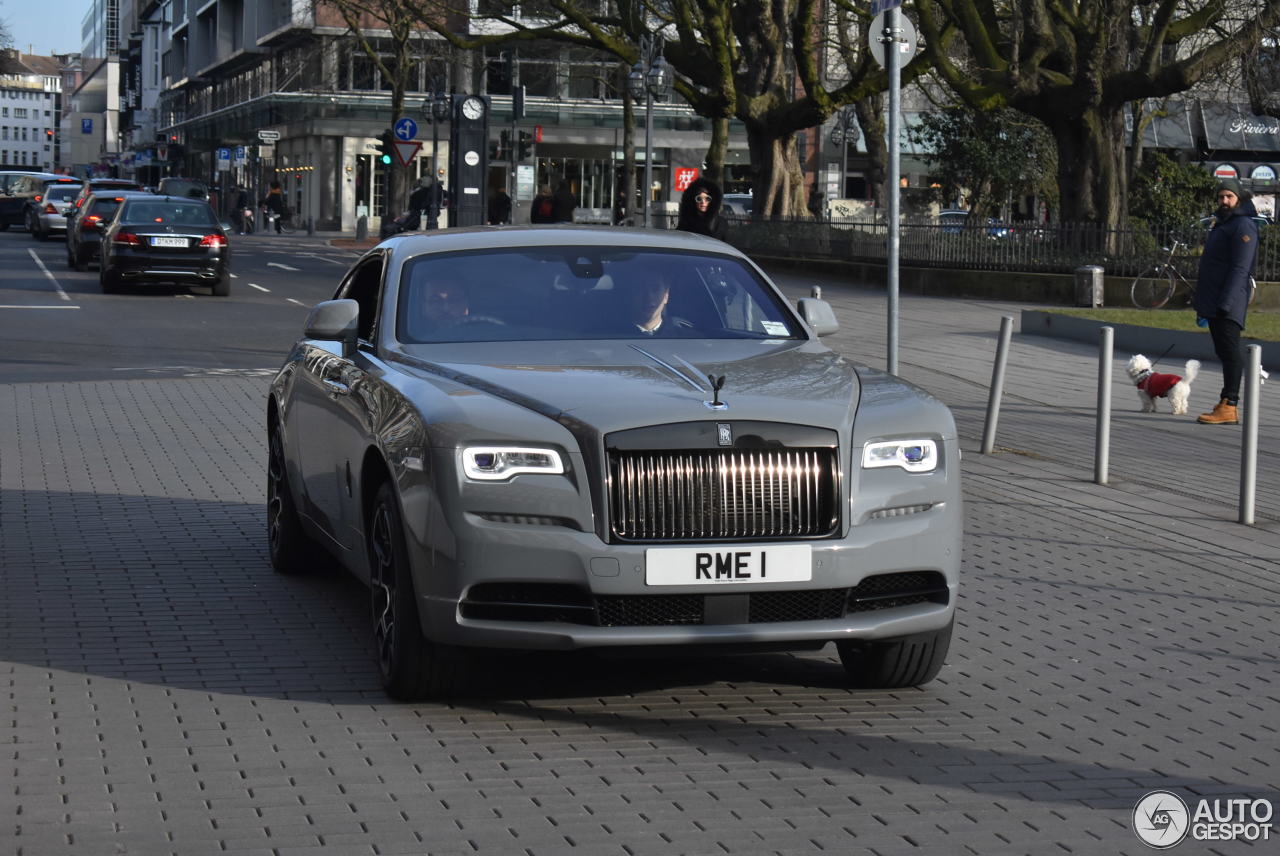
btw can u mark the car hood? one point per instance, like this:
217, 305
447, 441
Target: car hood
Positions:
615, 385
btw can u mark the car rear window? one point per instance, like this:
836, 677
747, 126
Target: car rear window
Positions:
168, 213
62, 192
192, 189
555, 293
104, 207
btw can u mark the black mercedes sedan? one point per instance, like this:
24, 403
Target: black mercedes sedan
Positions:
165, 239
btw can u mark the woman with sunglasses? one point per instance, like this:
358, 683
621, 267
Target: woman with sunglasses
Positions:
700, 209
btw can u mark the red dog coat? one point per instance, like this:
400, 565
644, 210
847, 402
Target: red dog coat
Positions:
1158, 385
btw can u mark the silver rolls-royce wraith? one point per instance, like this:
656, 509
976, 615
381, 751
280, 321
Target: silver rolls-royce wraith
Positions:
572, 437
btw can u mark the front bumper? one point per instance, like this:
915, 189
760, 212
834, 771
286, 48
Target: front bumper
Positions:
926, 544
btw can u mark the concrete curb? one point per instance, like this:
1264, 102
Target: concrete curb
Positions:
1132, 338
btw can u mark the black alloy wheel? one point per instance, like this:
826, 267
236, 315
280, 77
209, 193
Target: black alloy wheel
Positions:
410, 667
290, 550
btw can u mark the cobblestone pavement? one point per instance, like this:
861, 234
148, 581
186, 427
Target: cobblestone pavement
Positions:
165, 692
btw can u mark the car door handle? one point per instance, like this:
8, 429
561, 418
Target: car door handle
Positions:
336, 387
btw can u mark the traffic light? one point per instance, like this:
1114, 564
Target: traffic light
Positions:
504, 146
526, 145
385, 148
48, 135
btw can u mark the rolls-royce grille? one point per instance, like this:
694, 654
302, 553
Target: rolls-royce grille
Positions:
576, 605
714, 495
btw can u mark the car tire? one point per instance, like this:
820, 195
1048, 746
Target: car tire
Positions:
109, 280
409, 665
71, 258
78, 262
288, 547
886, 664
221, 287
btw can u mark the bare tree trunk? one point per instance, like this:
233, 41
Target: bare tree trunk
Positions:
1091, 167
629, 155
778, 183
718, 151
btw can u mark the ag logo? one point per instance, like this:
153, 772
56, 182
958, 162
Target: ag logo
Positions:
1161, 819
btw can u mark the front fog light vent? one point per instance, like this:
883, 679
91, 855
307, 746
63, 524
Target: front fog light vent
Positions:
900, 511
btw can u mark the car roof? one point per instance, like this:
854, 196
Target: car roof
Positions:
406, 246
109, 192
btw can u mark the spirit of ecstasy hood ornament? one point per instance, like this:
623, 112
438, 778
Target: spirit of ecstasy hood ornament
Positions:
717, 384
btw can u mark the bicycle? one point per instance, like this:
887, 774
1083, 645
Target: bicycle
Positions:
1154, 287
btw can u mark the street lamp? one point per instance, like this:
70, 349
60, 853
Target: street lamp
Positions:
436, 109
844, 133
650, 77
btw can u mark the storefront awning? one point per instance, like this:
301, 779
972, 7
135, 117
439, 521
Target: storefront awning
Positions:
1234, 127
1169, 128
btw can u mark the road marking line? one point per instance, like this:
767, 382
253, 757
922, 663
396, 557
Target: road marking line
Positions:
57, 306
61, 293
260, 288
299, 302
185, 296
234, 276
285, 267
337, 262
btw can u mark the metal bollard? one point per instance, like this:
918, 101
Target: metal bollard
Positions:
362, 228
1102, 437
997, 385
311, 226
1249, 442
815, 291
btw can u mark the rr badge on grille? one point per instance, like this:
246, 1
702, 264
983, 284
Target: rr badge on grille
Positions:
724, 433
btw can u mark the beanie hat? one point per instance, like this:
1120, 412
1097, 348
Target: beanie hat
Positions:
1231, 184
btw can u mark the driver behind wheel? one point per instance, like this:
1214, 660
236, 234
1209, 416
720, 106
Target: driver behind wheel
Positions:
446, 303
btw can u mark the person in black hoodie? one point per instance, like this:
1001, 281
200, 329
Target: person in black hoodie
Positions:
1222, 291
700, 209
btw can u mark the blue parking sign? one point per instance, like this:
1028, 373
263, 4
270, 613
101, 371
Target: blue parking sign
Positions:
86, 126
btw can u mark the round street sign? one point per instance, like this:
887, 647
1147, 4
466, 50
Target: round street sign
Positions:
1225, 170
406, 129
906, 39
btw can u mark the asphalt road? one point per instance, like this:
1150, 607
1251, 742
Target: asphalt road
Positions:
58, 325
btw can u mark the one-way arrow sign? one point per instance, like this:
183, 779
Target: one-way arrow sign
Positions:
406, 151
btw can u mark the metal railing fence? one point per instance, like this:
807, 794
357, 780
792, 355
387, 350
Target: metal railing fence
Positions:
1022, 247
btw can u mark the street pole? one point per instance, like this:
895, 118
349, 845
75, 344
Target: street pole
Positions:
895, 114
648, 157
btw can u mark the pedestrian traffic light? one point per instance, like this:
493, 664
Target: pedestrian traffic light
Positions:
385, 148
526, 145
504, 146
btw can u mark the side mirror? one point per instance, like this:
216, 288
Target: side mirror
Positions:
334, 321
818, 315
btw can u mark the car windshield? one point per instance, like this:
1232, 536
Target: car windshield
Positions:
167, 213
62, 192
529, 294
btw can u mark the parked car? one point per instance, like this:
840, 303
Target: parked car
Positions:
608, 438
165, 239
956, 220
736, 205
46, 209
12, 202
85, 226
191, 188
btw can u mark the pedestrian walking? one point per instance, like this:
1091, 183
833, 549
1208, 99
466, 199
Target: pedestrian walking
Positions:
543, 209
1222, 291
565, 203
499, 206
700, 209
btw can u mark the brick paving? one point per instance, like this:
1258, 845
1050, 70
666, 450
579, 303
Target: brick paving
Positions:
166, 693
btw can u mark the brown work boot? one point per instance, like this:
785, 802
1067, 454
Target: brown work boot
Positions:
1222, 414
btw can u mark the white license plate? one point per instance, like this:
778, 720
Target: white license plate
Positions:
693, 566
169, 242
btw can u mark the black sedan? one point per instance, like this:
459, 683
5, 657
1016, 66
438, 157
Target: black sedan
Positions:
165, 239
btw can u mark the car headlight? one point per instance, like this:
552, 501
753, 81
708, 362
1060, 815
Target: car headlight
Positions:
495, 463
914, 456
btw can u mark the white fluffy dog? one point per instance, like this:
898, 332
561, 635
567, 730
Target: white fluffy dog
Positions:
1152, 384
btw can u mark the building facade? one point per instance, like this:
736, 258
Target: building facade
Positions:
30, 111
